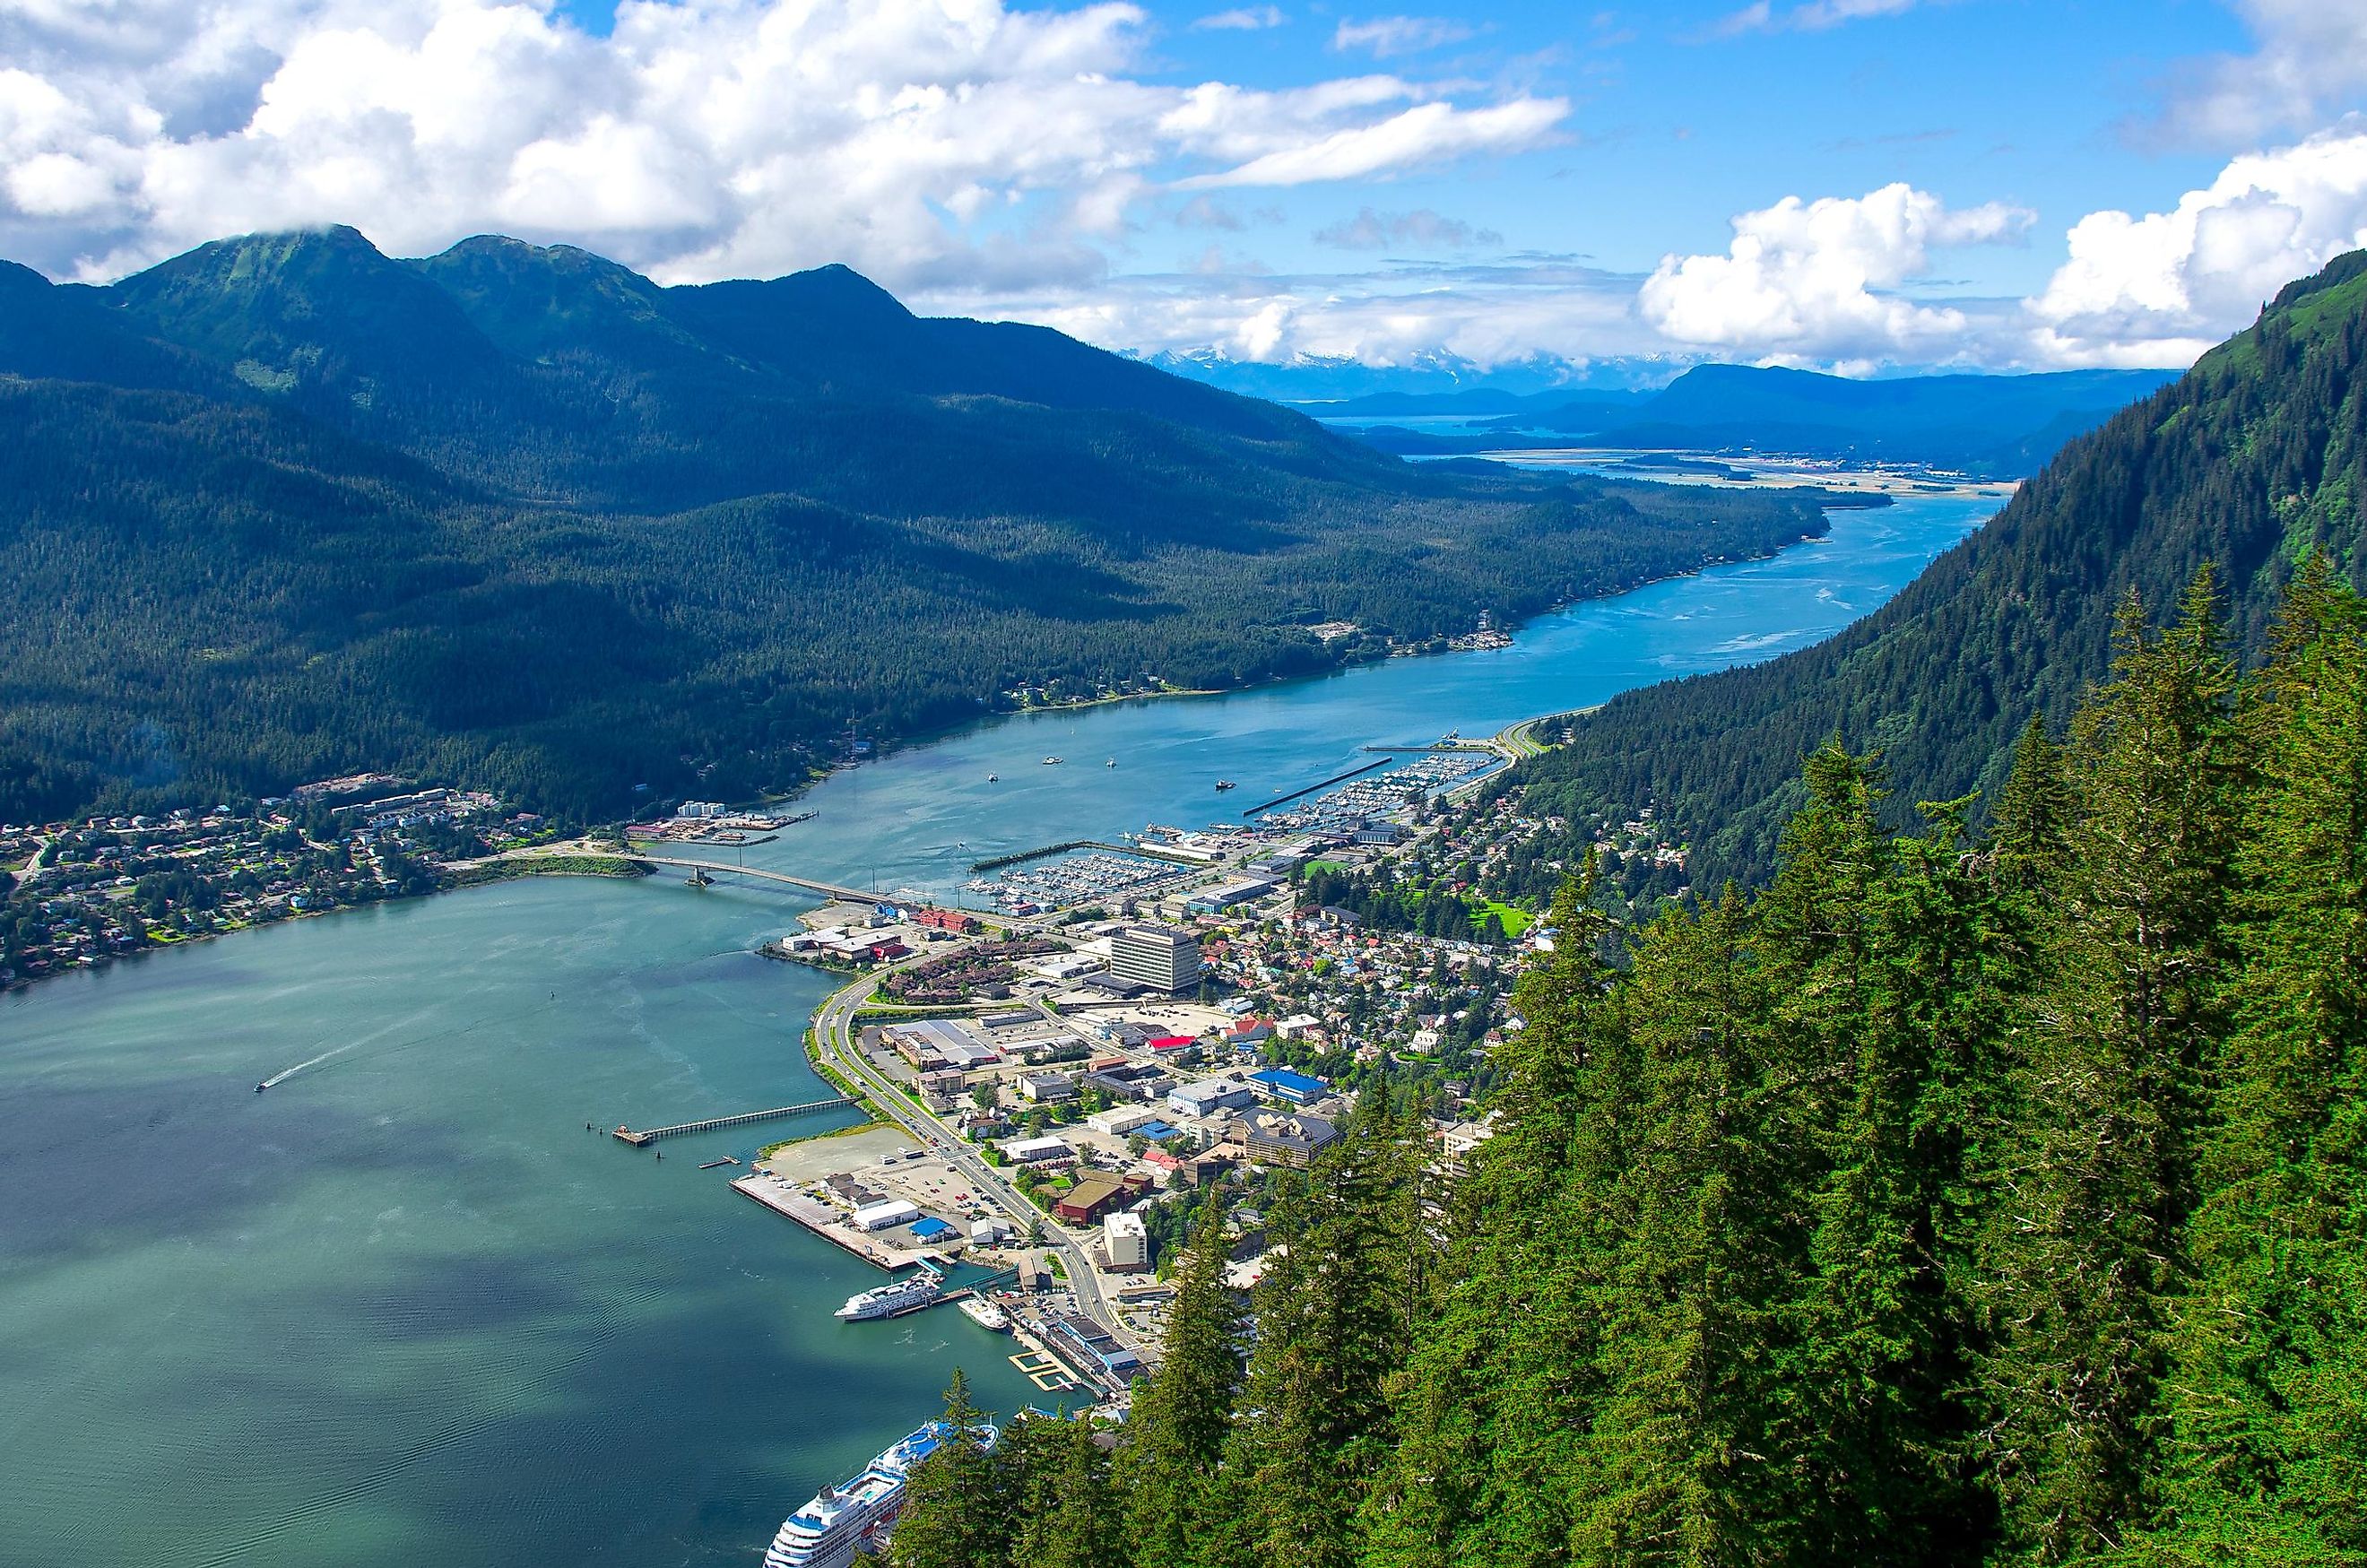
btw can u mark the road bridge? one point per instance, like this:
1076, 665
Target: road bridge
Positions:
804, 884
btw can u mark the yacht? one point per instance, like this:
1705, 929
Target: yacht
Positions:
845, 1519
887, 1301
984, 1313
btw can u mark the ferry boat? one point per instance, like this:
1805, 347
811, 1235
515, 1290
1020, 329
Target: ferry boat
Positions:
984, 1313
843, 1520
887, 1301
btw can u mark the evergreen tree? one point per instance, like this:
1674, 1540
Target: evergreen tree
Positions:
2085, 1246
955, 1514
1175, 1433
1065, 1511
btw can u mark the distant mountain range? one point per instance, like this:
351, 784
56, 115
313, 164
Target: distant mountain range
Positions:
1993, 426
2254, 456
286, 507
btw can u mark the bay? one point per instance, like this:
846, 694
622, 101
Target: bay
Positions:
405, 1308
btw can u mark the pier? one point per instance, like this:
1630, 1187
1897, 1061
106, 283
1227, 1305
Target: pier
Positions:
651, 1135
826, 1223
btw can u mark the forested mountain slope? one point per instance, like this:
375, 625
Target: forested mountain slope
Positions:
286, 507
2256, 455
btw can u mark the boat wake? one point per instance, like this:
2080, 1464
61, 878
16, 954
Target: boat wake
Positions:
275, 1079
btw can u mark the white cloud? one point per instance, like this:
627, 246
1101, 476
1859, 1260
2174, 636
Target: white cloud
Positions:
1818, 280
2311, 62
1386, 36
930, 145
1419, 229
2161, 289
1760, 16
1245, 19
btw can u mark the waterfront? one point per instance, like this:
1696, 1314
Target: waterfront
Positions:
404, 1309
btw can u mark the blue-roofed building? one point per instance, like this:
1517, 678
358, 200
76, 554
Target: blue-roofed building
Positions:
930, 1229
1156, 1131
1295, 1088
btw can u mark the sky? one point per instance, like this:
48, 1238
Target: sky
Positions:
1865, 186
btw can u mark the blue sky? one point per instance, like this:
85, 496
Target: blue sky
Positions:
1859, 184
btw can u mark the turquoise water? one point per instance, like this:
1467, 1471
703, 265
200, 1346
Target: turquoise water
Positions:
404, 1309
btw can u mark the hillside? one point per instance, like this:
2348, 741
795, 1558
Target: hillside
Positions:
2255, 456
286, 507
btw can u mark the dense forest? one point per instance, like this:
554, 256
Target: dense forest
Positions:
2256, 456
520, 518
1960, 1198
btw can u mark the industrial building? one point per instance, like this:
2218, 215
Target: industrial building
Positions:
1209, 1096
1298, 1089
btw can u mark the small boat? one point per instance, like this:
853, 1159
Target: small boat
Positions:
261, 1086
1051, 761
994, 778
1111, 763
1224, 784
984, 1313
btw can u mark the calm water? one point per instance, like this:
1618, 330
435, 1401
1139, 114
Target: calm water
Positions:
404, 1309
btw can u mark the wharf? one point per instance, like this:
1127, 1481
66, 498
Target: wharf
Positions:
823, 1221
651, 1134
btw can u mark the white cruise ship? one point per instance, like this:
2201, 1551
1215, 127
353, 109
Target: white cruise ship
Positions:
843, 1521
887, 1301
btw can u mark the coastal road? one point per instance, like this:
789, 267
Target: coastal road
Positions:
838, 1040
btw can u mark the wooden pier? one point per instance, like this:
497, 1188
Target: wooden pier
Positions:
651, 1134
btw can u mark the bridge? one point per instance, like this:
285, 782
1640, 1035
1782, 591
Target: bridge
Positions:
803, 884
651, 1135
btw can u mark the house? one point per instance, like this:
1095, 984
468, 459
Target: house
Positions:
1299, 1026
1249, 1032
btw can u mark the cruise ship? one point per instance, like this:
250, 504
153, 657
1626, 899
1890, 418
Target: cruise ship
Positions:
843, 1521
887, 1301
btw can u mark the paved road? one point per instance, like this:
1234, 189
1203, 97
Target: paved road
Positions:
838, 1040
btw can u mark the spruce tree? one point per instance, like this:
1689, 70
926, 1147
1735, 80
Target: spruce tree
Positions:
2085, 1253
1175, 1433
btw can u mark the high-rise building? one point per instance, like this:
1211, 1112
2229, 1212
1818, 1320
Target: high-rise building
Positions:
1157, 956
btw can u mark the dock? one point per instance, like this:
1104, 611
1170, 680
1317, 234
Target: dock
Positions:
823, 1221
651, 1134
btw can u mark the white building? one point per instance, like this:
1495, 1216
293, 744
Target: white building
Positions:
1126, 1241
992, 1231
1037, 1151
1120, 1119
1210, 1096
881, 1216
1160, 957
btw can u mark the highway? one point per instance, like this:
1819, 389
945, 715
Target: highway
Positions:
839, 1043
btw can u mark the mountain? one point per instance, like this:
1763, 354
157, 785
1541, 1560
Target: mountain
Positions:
2256, 456
1986, 424
285, 507
1311, 380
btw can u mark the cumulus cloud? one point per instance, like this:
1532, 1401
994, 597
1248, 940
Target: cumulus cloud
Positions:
2311, 60
933, 146
1245, 19
1386, 36
2161, 289
1818, 280
1419, 229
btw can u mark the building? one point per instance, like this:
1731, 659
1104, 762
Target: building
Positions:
1090, 1199
1089, 1350
946, 921
1297, 1088
1273, 1137
1299, 1026
1225, 896
992, 1231
1247, 1031
1159, 958
1126, 1242
884, 1215
1037, 1151
1118, 1121
1210, 1095
1458, 1141
1174, 1045
1043, 1088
